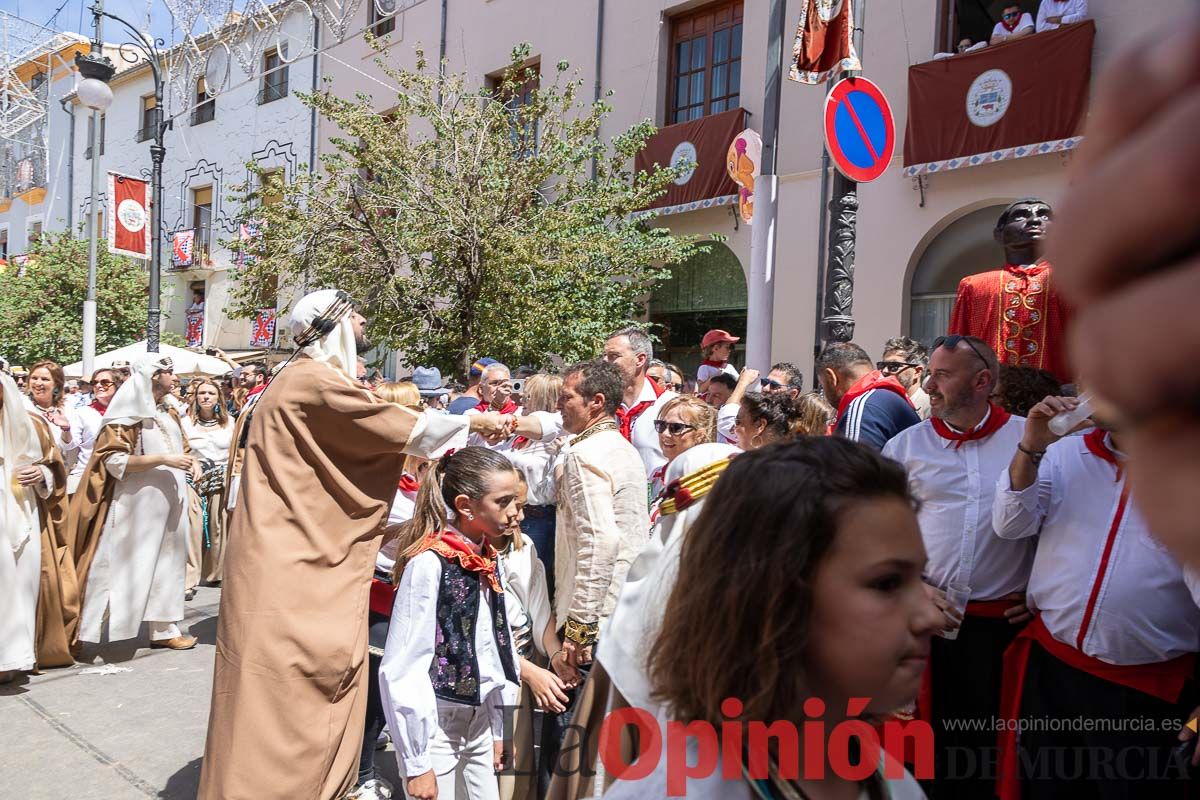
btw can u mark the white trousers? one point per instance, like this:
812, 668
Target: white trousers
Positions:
461, 753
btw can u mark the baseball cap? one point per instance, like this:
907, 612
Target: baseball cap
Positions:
480, 365
716, 336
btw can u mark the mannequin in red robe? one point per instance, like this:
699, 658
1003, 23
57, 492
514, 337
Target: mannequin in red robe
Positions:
1016, 308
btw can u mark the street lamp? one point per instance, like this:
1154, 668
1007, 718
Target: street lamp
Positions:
93, 91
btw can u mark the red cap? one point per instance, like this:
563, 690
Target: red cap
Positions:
718, 336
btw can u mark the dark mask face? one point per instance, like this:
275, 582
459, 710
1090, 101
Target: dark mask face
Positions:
1025, 224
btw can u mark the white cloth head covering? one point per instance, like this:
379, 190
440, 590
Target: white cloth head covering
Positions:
633, 626
19, 447
335, 348
134, 401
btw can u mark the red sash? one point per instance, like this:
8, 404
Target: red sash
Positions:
626, 417
509, 407
1164, 680
995, 421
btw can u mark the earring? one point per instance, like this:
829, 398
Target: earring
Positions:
470, 516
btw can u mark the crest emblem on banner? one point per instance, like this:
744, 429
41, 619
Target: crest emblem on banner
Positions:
685, 152
989, 97
128, 216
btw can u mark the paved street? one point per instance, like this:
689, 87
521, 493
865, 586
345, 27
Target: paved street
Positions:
122, 736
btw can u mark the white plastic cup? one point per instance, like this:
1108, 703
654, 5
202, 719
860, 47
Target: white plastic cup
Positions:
957, 596
1061, 424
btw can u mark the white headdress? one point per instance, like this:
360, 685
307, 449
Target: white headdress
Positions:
331, 338
134, 401
19, 447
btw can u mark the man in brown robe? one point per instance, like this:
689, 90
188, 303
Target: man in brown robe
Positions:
322, 460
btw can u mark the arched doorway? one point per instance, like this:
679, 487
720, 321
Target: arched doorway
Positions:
707, 291
964, 248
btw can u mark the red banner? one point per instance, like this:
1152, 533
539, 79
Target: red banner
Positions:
128, 216
195, 328
824, 41
1024, 97
703, 142
262, 330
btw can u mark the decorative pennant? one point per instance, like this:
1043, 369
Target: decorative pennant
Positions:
742, 162
824, 41
182, 247
128, 216
262, 331
194, 332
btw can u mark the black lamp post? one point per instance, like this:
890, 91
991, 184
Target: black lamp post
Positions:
94, 93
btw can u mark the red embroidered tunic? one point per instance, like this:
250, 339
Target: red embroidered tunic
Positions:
1017, 311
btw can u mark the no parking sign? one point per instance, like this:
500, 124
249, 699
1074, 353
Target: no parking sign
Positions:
860, 132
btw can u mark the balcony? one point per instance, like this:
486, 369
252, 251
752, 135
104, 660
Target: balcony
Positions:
961, 110
272, 92
191, 249
704, 142
30, 173
205, 112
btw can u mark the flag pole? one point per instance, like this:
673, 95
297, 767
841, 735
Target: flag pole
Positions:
760, 305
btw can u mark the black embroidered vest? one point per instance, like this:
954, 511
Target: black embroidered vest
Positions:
455, 667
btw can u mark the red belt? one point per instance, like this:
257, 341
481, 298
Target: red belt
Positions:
1164, 680
383, 596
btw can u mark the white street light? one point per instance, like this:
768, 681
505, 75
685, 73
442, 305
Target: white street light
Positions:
94, 94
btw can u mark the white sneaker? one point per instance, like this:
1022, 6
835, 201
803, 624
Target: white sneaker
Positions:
377, 789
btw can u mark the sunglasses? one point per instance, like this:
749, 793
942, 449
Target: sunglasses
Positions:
767, 383
951, 343
674, 428
892, 367
103, 384
1011, 14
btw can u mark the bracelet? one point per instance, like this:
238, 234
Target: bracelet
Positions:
556, 654
583, 634
1035, 456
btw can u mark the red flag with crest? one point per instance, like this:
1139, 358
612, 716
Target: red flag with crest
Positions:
128, 216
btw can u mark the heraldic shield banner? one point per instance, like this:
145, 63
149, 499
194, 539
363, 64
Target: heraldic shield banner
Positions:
128, 216
1020, 98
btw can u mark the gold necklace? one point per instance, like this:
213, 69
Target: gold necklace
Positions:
599, 427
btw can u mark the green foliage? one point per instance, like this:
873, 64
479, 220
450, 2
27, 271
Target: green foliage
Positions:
41, 311
469, 226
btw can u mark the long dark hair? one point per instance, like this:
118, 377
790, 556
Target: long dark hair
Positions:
467, 471
220, 414
736, 623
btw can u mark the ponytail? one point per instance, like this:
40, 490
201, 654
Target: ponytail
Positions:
467, 471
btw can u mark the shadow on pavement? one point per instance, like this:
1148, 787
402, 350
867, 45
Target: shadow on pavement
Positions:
204, 630
184, 784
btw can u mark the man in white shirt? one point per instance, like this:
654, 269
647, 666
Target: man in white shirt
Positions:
1053, 13
630, 350
1013, 24
1117, 628
952, 460
906, 359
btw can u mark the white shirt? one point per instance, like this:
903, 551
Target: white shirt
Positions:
403, 506
526, 597
1023, 23
726, 419
536, 462
405, 687
90, 422
1069, 10
708, 372
1145, 605
209, 442
644, 437
956, 486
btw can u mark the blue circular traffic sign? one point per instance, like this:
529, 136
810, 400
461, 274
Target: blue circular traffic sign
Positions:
860, 132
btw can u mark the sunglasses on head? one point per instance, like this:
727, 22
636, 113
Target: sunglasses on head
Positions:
951, 343
674, 428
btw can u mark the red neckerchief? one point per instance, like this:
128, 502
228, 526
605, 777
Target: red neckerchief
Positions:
1099, 448
256, 390
95, 404
451, 545
872, 380
995, 421
520, 443
1013, 27
509, 407
626, 417
409, 484
717, 364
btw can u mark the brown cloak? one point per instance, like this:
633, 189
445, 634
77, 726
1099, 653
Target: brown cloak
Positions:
91, 501
321, 464
58, 594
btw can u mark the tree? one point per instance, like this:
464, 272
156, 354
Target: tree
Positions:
468, 222
41, 306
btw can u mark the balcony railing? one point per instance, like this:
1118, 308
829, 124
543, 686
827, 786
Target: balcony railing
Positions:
205, 112
272, 92
191, 248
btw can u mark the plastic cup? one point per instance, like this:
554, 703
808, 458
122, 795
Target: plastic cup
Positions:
957, 596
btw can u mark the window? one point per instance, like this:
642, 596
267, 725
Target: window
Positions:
87, 151
4, 243
523, 132
146, 131
33, 232
706, 62
275, 78
382, 16
101, 221
205, 107
202, 199
969, 19
271, 185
